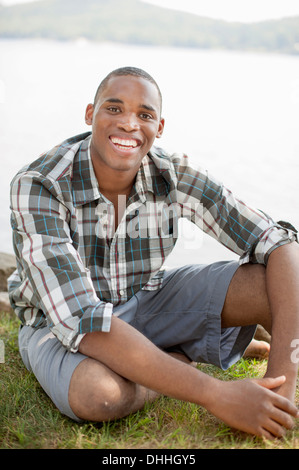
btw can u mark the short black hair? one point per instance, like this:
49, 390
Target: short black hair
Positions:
131, 71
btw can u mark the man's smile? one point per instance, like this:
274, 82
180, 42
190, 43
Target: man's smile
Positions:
125, 144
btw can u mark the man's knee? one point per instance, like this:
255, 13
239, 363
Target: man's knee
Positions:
98, 394
247, 300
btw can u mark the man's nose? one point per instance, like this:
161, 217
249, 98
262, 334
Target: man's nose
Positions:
129, 123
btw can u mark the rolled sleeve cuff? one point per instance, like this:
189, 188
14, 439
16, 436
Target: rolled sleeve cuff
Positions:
98, 319
76, 344
277, 235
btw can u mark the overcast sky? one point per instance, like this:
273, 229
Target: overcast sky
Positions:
230, 10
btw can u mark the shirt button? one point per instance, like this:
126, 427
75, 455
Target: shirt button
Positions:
122, 292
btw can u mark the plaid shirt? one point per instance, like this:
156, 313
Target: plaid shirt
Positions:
72, 268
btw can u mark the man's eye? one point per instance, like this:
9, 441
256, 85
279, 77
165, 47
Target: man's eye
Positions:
113, 109
146, 116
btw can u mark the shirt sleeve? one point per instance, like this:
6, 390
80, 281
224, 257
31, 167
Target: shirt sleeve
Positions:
53, 282
248, 232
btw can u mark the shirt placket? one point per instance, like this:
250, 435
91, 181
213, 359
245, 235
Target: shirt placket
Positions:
118, 265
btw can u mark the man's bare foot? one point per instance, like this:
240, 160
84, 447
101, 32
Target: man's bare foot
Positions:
257, 349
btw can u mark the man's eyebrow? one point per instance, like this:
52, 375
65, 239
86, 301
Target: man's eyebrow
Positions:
114, 100
148, 107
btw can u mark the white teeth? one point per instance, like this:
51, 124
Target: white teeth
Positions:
123, 142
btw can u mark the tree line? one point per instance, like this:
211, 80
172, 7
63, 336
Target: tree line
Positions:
135, 22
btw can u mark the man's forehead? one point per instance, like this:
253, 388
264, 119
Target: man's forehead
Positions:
130, 86
119, 83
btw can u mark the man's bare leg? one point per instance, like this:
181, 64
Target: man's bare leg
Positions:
248, 302
249, 405
96, 393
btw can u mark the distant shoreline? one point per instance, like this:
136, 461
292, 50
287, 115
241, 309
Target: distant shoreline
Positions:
141, 24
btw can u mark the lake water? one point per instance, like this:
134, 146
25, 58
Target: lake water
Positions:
236, 114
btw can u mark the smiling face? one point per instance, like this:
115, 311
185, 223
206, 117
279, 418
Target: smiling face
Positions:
125, 122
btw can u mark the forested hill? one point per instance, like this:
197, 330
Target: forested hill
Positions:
135, 22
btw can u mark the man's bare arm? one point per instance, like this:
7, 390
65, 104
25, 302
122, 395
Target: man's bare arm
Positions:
245, 404
282, 277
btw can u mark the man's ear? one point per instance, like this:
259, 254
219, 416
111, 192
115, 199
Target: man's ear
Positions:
161, 128
89, 114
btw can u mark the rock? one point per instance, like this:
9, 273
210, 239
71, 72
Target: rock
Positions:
5, 303
7, 266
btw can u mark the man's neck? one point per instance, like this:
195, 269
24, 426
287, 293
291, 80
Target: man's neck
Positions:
111, 189
113, 182
117, 191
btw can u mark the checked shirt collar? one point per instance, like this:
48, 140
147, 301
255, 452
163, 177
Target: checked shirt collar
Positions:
155, 175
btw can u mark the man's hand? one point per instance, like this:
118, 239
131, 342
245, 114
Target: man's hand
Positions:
252, 406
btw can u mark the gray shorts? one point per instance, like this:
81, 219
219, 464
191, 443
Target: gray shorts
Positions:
183, 316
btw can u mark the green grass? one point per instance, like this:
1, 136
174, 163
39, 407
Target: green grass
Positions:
28, 419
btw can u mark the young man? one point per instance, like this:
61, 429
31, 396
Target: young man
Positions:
103, 326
